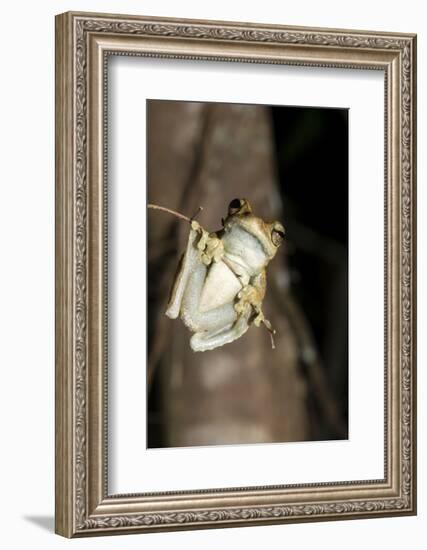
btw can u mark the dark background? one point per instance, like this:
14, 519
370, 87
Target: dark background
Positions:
292, 164
311, 147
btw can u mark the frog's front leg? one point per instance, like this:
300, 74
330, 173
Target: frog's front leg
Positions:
250, 298
209, 245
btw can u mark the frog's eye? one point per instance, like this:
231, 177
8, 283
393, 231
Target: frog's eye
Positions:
234, 207
240, 206
277, 235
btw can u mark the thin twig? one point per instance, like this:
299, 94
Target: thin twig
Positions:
271, 330
173, 212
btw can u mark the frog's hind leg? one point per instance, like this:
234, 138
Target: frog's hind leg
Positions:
187, 262
208, 340
196, 319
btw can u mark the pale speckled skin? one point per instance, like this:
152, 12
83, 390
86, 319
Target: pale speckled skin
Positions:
221, 282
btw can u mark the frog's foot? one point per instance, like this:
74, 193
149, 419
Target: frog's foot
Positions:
248, 300
209, 246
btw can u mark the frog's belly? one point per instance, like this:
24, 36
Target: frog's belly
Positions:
221, 286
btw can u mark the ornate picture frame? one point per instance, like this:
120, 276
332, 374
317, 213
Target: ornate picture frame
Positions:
83, 43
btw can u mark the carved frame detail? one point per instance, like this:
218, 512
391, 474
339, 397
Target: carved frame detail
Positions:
83, 41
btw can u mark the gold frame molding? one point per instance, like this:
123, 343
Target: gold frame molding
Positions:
83, 43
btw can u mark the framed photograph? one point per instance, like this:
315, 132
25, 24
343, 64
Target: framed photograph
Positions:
235, 274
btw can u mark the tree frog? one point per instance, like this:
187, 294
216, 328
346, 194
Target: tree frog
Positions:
221, 279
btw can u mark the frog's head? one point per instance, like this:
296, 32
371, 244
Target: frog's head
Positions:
253, 233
